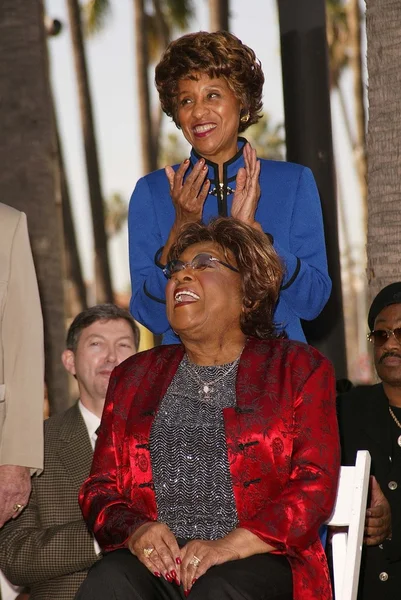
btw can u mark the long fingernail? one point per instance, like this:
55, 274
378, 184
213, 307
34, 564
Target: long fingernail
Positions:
178, 560
168, 577
173, 574
156, 573
186, 592
194, 580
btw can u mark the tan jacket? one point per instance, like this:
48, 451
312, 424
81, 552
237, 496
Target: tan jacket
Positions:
21, 347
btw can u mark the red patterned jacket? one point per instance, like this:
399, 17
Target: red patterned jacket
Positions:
284, 484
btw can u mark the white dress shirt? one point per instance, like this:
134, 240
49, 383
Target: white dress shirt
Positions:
92, 423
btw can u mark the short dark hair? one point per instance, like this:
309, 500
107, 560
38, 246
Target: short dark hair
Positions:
259, 265
100, 312
217, 54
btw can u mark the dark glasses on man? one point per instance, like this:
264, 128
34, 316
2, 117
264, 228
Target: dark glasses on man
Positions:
379, 337
200, 262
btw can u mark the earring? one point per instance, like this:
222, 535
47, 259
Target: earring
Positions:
245, 118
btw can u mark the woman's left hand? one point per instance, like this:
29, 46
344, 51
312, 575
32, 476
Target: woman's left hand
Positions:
247, 193
199, 555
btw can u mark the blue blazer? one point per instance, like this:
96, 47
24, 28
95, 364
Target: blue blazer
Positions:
289, 210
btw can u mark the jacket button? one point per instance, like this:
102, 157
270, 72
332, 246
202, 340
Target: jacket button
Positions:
383, 576
392, 485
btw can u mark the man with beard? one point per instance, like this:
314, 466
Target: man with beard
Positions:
370, 419
49, 548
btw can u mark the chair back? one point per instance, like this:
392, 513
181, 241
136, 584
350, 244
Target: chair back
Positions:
349, 512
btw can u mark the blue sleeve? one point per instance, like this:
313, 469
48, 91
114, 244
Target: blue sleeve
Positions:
147, 279
306, 286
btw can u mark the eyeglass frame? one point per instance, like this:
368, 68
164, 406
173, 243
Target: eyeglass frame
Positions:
388, 332
189, 264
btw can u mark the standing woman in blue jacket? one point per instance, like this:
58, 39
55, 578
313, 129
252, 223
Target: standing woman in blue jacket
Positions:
211, 85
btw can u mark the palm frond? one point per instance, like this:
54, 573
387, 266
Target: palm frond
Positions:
180, 12
95, 13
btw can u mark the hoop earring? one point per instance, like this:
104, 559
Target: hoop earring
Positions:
245, 118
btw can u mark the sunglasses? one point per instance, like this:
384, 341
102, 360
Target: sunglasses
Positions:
200, 262
379, 337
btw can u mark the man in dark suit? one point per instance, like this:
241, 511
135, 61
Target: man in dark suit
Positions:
370, 419
49, 548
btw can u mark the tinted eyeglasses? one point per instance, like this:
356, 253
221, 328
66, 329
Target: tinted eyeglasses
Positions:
379, 337
200, 262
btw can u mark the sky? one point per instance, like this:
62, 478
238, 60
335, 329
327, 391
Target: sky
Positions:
110, 56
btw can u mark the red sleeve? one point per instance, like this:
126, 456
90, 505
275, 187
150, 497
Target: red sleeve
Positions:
108, 511
291, 521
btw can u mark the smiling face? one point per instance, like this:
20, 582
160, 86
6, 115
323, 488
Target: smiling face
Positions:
388, 357
208, 113
101, 347
205, 304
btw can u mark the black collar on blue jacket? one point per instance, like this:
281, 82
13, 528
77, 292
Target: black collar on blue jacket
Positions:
222, 189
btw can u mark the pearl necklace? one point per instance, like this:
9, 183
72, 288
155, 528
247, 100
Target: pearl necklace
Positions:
397, 423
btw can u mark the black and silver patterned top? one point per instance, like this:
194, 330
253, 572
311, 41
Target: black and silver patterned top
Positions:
188, 450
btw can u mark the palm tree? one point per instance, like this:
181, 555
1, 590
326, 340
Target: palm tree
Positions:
153, 24
383, 26
73, 261
104, 291
344, 43
219, 15
148, 152
28, 160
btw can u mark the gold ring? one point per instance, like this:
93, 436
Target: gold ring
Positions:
18, 507
195, 561
148, 551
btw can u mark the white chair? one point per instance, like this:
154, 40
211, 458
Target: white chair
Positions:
349, 511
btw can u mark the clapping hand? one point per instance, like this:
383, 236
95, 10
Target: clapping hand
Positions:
188, 196
247, 193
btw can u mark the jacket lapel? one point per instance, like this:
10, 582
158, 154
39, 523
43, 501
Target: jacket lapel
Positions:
375, 419
152, 389
75, 449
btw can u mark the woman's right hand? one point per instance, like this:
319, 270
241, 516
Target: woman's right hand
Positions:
162, 560
188, 196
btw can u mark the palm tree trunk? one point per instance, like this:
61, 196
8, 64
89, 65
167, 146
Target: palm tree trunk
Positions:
149, 159
219, 15
104, 291
355, 63
73, 262
28, 159
383, 24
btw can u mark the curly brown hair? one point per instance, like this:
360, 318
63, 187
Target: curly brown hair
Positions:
218, 54
259, 265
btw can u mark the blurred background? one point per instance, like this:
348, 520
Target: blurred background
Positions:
108, 129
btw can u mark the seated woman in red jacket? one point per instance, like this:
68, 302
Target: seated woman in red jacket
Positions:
217, 459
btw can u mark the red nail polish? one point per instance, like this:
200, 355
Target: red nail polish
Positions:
178, 560
173, 574
156, 573
194, 581
186, 592
168, 577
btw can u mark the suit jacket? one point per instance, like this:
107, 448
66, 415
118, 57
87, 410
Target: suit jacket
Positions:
282, 443
21, 347
49, 547
365, 424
